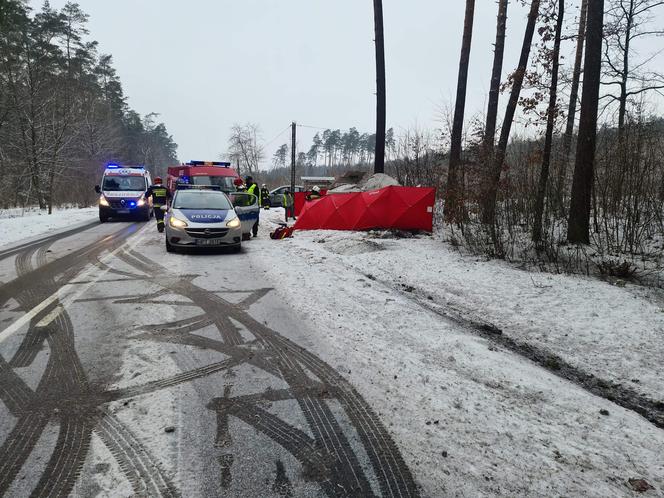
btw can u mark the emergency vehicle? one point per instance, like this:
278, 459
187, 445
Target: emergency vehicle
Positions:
122, 192
203, 173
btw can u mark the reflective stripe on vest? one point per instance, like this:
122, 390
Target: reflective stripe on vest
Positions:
252, 190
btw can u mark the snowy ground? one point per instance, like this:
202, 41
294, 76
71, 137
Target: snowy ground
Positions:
19, 225
472, 418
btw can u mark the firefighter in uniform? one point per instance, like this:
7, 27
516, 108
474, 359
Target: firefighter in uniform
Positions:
252, 188
314, 194
160, 197
265, 197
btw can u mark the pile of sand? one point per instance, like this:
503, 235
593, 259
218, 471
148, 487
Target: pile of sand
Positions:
374, 182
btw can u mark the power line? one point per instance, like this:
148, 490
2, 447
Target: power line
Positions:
313, 127
275, 138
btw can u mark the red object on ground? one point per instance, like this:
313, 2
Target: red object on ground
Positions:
401, 208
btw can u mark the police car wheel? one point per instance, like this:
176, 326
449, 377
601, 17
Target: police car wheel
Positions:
237, 248
169, 247
103, 219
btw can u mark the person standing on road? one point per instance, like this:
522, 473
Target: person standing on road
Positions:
265, 197
160, 197
252, 188
289, 205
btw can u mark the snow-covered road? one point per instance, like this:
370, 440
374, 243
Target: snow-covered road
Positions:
127, 371
310, 367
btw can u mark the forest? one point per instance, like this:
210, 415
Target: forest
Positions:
63, 113
565, 165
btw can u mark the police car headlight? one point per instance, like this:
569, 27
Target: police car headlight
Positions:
103, 201
141, 202
234, 223
176, 222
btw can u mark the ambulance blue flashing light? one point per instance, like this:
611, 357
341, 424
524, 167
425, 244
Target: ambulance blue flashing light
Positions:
115, 166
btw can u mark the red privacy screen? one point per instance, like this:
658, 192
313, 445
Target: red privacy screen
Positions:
402, 208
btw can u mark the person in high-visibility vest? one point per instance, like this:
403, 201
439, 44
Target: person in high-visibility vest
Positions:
289, 205
160, 197
252, 188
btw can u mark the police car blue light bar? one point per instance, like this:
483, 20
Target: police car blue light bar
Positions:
187, 186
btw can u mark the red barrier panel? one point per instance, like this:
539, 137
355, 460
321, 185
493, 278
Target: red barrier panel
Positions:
298, 202
300, 198
402, 208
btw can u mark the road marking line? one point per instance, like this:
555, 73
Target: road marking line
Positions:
68, 299
51, 316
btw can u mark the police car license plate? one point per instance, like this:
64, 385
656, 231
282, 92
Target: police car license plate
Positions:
123, 211
209, 242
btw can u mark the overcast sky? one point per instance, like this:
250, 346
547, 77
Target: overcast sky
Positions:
206, 64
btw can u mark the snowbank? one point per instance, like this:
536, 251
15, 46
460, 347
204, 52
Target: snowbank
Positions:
16, 225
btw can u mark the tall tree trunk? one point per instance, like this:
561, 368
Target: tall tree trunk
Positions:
578, 230
496, 73
452, 198
550, 122
489, 198
629, 18
379, 156
573, 100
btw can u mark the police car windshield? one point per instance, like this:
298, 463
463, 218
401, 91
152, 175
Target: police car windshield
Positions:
200, 200
120, 183
225, 182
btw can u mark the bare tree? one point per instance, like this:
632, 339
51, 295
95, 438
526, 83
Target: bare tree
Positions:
550, 122
490, 196
629, 21
496, 74
379, 155
452, 192
571, 111
578, 229
576, 79
244, 146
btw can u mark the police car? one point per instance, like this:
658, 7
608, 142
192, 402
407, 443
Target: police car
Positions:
201, 217
122, 192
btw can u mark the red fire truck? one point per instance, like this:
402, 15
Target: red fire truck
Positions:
210, 173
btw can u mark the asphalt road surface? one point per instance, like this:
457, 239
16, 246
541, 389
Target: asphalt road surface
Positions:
128, 371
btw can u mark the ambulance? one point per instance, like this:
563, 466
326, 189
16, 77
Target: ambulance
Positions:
122, 193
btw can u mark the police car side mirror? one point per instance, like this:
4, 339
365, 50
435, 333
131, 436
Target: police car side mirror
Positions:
98, 189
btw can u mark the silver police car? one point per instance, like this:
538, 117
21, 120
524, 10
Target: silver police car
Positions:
202, 218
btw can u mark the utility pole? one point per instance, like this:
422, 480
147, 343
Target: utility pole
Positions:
292, 179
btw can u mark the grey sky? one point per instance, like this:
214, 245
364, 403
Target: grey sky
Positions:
206, 64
